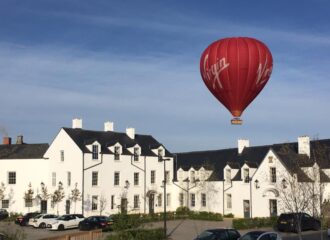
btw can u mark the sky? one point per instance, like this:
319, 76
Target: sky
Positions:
136, 63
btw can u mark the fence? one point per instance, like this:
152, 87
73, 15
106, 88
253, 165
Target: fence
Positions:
91, 235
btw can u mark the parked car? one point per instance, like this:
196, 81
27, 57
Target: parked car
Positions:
23, 220
95, 222
261, 235
3, 214
66, 221
219, 234
288, 222
41, 220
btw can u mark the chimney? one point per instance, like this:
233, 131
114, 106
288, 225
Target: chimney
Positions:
304, 145
6, 141
242, 143
130, 132
108, 126
77, 123
19, 139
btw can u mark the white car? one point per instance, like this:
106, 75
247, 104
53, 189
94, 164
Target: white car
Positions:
41, 220
261, 235
66, 221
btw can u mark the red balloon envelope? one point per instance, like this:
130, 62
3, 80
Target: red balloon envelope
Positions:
235, 70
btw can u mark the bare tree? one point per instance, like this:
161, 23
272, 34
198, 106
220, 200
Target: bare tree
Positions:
75, 196
2, 191
58, 195
28, 196
44, 195
103, 203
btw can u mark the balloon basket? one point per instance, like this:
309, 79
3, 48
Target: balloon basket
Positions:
236, 121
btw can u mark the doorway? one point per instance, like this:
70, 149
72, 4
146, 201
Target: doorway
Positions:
123, 206
273, 207
246, 208
152, 203
67, 206
43, 206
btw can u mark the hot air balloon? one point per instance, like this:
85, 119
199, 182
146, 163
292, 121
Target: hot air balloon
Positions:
235, 70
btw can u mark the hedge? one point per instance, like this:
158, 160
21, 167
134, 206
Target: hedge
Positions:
139, 234
250, 223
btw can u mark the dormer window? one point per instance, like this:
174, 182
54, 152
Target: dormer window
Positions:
160, 154
117, 153
246, 176
95, 152
136, 154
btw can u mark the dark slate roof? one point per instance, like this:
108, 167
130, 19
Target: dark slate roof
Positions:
287, 152
85, 137
23, 151
323, 177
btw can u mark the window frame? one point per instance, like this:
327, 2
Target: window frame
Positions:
153, 176
192, 199
94, 202
203, 199
12, 178
95, 152
95, 178
116, 180
136, 178
136, 201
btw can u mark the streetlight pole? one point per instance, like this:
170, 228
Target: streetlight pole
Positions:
165, 227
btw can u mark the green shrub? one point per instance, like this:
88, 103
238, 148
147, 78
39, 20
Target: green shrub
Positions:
139, 234
229, 215
182, 210
124, 221
210, 216
250, 223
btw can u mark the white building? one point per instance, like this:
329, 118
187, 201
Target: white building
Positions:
124, 172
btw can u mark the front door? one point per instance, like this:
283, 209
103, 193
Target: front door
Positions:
123, 205
67, 207
273, 207
246, 208
152, 203
43, 206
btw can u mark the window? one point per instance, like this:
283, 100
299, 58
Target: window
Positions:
116, 178
160, 200
160, 154
94, 202
168, 199
273, 207
181, 198
62, 155
136, 201
95, 152
203, 199
136, 178
95, 176
192, 176
53, 179
167, 176
229, 203
228, 175
117, 153
5, 203
273, 175
136, 154
11, 177
192, 199
112, 201
28, 202
152, 176
246, 176
69, 178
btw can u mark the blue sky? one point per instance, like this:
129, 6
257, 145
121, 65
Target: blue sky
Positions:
136, 63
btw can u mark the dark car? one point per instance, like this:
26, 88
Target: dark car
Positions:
95, 222
288, 222
3, 214
261, 235
23, 220
219, 234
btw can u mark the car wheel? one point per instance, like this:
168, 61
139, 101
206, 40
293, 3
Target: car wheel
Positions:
61, 227
42, 225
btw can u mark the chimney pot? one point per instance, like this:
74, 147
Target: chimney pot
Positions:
6, 141
304, 145
242, 143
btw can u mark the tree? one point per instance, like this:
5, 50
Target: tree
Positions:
75, 196
58, 195
28, 196
44, 195
2, 191
103, 203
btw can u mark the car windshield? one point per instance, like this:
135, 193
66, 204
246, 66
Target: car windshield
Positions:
38, 216
64, 217
206, 235
251, 236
